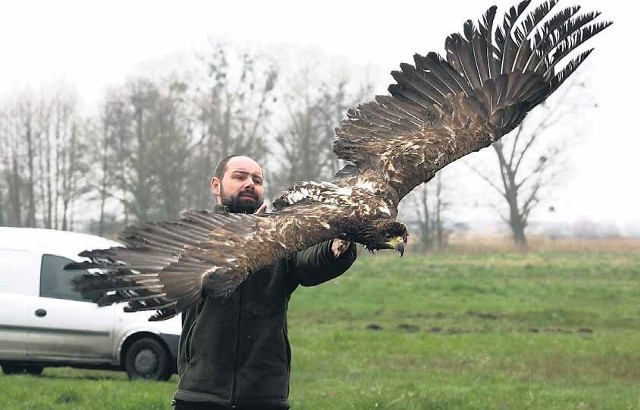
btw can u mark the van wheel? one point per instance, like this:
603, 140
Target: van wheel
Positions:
17, 369
146, 358
34, 369
12, 368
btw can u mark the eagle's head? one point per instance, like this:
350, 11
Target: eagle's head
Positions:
386, 234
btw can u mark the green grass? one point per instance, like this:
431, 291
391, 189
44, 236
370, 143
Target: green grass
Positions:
500, 331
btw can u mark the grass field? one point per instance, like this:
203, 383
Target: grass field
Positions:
543, 330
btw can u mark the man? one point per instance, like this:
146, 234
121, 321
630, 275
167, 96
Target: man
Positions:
234, 351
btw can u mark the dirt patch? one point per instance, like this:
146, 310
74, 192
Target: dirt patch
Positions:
482, 315
456, 330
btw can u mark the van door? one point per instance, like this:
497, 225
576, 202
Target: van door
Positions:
17, 283
64, 326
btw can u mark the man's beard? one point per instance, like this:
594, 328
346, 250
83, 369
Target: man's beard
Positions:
237, 205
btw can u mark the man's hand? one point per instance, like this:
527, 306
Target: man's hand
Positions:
339, 246
261, 210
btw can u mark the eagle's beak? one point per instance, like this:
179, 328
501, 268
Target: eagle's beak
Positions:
397, 243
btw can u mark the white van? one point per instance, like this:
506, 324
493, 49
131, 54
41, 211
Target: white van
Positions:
44, 322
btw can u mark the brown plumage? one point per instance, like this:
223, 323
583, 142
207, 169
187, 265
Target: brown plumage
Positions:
439, 110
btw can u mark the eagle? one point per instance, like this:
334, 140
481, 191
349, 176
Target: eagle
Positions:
439, 109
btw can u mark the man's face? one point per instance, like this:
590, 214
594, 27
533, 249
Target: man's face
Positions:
241, 188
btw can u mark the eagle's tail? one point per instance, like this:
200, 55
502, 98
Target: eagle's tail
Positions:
506, 71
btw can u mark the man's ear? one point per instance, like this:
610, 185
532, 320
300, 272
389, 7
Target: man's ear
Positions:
215, 186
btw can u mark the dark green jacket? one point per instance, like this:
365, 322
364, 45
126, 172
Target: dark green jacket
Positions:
235, 351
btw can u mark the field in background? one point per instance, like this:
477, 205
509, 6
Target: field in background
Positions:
501, 242
505, 330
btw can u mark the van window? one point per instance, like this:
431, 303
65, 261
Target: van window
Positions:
55, 282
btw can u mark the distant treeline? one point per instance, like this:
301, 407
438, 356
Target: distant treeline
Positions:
150, 150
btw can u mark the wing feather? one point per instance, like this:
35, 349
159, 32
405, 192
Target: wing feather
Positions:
442, 109
168, 265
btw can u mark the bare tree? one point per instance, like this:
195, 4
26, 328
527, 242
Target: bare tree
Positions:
142, 96
103, 153
429, 205
171, 147
423, 216
313, 109
25, 116
143, 143
61, 153
441, 239
43, 150
18, 139
234, 104
305, 144
12, 170
155, 137
12, 139
528, 163
109, 148
71, 159
42, 159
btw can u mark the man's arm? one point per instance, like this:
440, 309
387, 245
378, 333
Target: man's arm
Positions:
319, 264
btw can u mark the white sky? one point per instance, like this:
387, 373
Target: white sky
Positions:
92, 44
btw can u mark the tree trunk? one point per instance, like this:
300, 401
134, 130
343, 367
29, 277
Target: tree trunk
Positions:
517, 219
519, 237
103, 183
440, 237
31, 207
2, 208
15, 215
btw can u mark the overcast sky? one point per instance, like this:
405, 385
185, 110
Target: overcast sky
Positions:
92, 44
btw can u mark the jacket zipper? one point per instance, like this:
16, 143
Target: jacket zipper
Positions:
234, 385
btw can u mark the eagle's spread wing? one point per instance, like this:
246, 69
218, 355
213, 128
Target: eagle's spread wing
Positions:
439, 110
442, 109
167, 265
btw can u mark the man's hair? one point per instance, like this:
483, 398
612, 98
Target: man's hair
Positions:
222, 166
